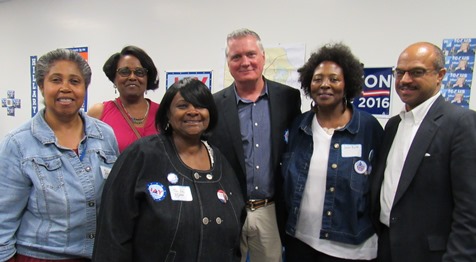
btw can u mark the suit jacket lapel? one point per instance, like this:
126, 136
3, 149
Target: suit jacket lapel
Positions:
419, 147
276, 100
233, 123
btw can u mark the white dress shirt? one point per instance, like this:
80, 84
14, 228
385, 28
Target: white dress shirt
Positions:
407, 129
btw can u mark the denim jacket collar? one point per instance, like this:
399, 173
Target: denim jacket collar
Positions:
353, 126
43, 132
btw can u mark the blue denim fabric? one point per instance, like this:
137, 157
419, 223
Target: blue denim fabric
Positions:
346, 216
49, 197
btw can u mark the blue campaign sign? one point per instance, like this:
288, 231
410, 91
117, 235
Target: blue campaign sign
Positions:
204, 76
375, 98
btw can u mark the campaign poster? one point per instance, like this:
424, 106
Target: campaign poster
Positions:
375, 98
204, 76
10, 103
83, 51
459, 64
34, 91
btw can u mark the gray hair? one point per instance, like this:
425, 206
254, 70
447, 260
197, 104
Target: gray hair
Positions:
44, 64
240, 33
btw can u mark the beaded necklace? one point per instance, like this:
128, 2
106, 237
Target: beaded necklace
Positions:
138, 121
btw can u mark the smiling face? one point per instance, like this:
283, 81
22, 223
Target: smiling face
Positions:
63, 89
414, 90
462, 64
245, 59
328, 86
187, 120
132, 85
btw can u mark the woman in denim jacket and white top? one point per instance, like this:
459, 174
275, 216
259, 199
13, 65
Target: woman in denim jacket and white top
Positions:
54, 168
327, 165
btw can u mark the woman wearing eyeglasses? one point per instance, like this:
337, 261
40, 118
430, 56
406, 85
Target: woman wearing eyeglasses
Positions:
131, 115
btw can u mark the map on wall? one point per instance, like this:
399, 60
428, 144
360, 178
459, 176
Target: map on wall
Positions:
281, 64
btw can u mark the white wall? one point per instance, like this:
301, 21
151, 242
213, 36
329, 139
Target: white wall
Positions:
190, 34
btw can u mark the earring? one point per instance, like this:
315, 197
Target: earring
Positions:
115, 89
167, 126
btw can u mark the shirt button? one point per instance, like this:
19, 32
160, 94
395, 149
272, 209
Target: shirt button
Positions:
256, 187
334, 166
332, 189
326, 235
336, 145
257, 167
256, 124
205, 220
91, 235
218, 220
196, 175
257, 145
329, 213
88, 168
91, 203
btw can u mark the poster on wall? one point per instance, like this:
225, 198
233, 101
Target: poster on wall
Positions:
204, 76
11, 103
459, 63
375, 98
83, 51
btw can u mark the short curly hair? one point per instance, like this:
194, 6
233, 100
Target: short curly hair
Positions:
340, 54
44, 64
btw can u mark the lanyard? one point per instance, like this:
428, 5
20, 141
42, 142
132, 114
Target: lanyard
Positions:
83, 152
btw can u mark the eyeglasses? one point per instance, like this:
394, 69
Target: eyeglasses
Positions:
413, 73
126, 71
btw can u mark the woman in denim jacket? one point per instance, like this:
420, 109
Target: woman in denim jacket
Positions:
54, 168
328, 163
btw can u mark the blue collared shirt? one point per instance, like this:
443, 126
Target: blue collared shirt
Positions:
50, 197
255, 128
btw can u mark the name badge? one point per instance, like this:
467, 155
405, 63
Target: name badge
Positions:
180, 193
349, 150
105, 171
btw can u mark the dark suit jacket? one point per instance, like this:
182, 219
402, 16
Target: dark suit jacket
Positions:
433, 217
284, 106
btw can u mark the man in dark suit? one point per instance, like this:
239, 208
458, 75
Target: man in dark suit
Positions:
254, 114
424, 187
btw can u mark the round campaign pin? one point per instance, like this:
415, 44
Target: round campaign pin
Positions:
173, 178
360, 167
222, 196
157, 191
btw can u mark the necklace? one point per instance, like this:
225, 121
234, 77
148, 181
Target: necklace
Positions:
210, 152
330, 130
138, 121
